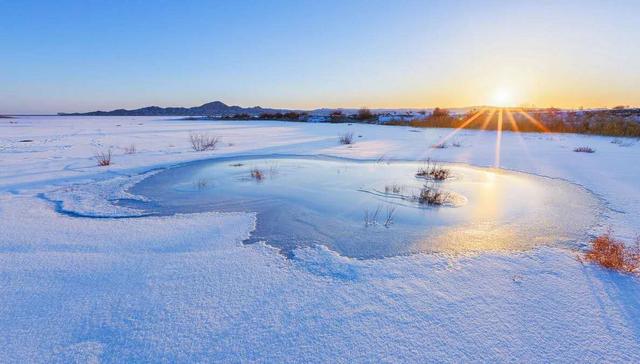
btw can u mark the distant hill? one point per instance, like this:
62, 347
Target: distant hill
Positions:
218, 108
215, 108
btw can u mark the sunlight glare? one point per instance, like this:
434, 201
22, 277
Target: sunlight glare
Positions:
498, 140
502, 97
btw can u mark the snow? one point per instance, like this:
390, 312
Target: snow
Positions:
98, 199
185, 288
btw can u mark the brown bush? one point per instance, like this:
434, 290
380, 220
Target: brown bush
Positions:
103, 158
613, 254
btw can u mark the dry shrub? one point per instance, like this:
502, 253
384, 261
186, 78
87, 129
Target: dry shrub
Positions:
131, 149
431, 195
584, 150
433, 171
613, 254
103, 158
346, 138
257, 174
203, 142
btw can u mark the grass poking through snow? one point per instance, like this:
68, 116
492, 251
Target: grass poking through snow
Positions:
433, 170
103, 158
346, 138
431, 195
613, 254
584, 150
393, 188
131, 149
202, 142
257, 174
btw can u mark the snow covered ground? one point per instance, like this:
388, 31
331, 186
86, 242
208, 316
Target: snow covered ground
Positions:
184, 288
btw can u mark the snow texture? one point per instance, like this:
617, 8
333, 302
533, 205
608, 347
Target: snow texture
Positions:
184, 288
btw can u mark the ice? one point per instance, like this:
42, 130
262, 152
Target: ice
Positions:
350, 207
99, 199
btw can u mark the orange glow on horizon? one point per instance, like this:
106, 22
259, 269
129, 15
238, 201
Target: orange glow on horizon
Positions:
488, 119
534, 121
467, 122
512, 121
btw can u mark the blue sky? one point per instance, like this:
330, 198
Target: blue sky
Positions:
88, 55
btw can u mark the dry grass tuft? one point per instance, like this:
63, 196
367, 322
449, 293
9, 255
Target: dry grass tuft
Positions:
388, 221
203, 142
346, 138
131, 149
433, 170
103, 158
392, 188
257, 174
201, 184
371, 219
584, 150
431, 195
613, 254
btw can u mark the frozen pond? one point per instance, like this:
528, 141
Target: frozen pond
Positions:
372, 209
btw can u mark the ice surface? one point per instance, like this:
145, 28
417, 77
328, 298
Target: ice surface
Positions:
351, 207
99, 199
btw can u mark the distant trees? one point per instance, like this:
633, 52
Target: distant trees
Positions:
240, 116
617, 122
364, 114
439, 118
440, 113
337, 117
288, 116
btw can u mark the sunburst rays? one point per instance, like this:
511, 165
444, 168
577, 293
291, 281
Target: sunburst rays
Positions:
498, 141
534, 121
500, 114
512, 121
462, 126
487, 120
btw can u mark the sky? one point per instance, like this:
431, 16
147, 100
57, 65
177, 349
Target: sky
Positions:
85, 55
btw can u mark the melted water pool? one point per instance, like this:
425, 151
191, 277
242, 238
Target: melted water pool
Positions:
345, 205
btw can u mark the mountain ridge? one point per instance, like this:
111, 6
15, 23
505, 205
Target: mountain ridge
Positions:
219, 108
213, 108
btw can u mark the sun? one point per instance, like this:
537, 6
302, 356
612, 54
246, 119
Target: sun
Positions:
502, 97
